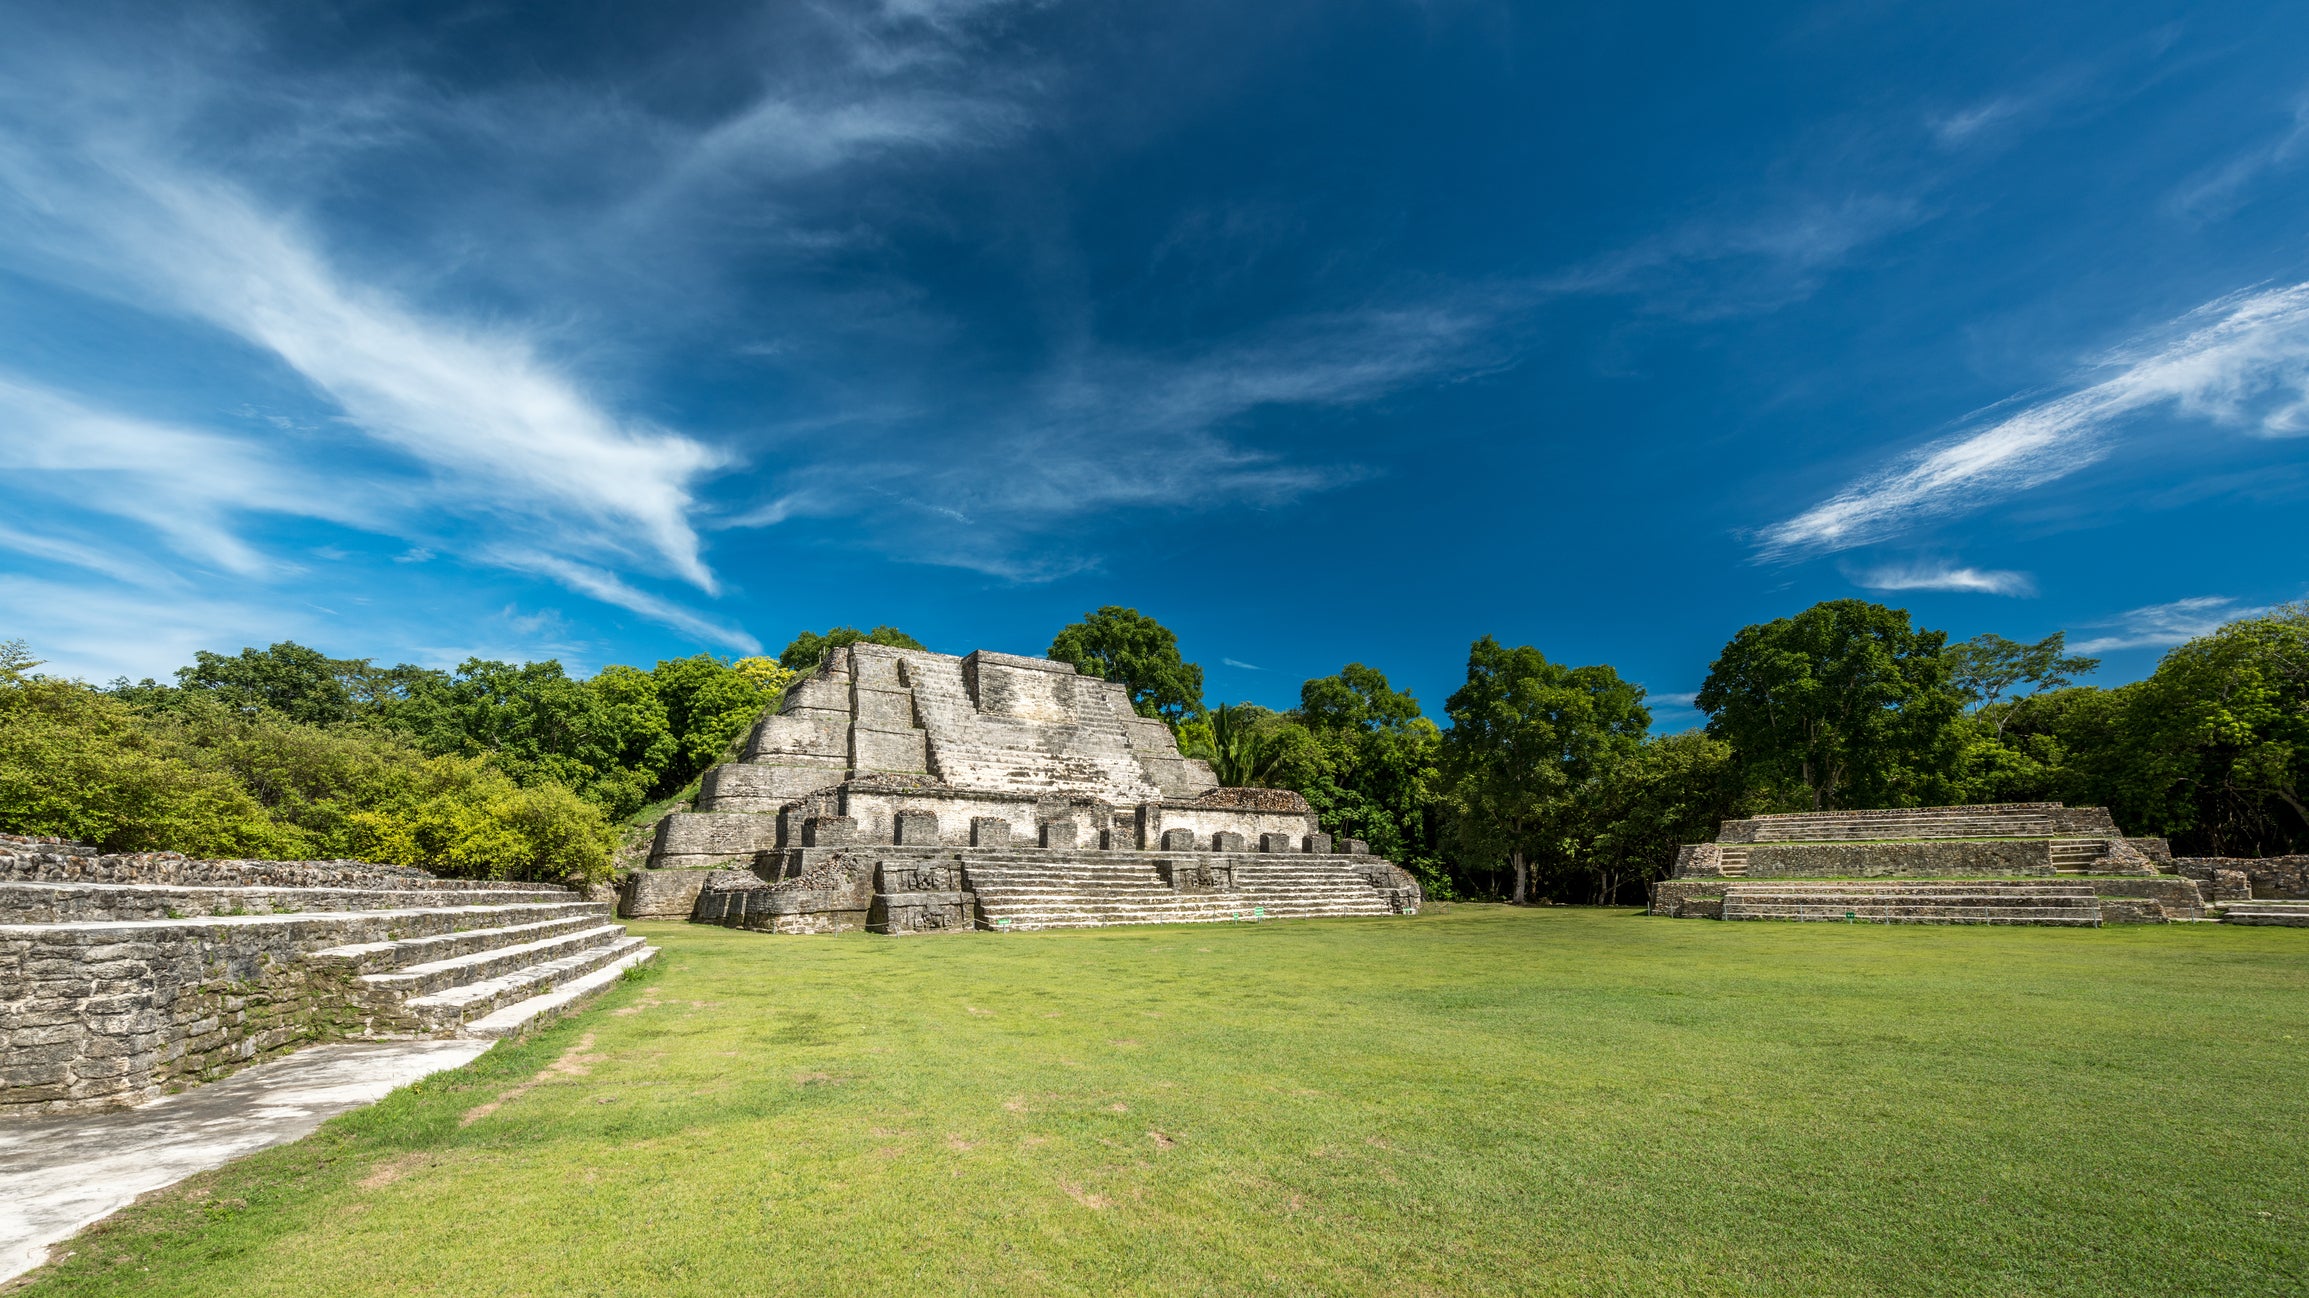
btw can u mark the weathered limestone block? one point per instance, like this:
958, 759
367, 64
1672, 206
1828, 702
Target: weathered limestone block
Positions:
989, 831
829, 831
662, 893
914, 828
1319, 844
2265, 878
1227, 842
891, 710
883, 750
802, 732
701, 838
1278, 843
1178, 840
1695, 860
1058, 833
1355, 847
765, 787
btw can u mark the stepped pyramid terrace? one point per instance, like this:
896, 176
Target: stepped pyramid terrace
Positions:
902, 791
125, 975
2005, 863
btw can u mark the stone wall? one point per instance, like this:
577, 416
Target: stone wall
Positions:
2000, 857
2266, 877
53, 860
1992, 820
98, 1014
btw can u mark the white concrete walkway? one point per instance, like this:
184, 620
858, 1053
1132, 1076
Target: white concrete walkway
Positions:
59, 1174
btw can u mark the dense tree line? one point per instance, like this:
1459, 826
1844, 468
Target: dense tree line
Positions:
1546, 783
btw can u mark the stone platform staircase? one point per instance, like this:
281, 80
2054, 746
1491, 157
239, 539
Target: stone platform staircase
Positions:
481, 970
124, 974
2280, 913
2009, 821
1023, 891
1986, 902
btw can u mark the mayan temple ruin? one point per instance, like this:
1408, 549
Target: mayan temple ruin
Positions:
2007, 863
901, 791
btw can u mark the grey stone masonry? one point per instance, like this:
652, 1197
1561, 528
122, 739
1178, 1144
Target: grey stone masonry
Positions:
900, 750
1996, 863
124, 975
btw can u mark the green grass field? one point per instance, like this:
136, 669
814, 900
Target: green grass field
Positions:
1475, 1101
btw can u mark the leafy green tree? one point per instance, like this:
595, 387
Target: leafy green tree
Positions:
1526, 736
77, 764
2237, 701
303, 684
1131, 649
1242, 753
802, 656
1368, 766
709, 704
1661, 794
2000, 676
1846, 699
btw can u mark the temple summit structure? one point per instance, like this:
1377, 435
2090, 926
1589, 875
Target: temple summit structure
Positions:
899, 791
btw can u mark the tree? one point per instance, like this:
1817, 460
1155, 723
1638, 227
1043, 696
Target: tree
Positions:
1242, 754
2237, 701
1664, 793
1133, 650
1998, 676
1526, 735
809, 648
303, 684
1845, 699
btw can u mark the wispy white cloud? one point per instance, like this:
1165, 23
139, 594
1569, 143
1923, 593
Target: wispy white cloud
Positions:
609, 588
1108, 428
2161, 625
2241, 362
2220, 187
1966, 125
1945, 576
1720, 266
1249, 667
190, 486
1672, 698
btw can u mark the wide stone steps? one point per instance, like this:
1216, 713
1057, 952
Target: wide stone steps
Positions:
2058, 904
2280, 913
1735, 862
510, 926
455, 1006
2076, 855
488, 962
1023, 894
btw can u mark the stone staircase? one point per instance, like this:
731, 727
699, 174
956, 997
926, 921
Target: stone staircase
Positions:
1999, 820
2076, 855
480, 971
1018, 891
1987, 902
1735, 859
2285, 914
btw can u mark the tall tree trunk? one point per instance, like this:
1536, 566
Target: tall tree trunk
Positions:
1522, 874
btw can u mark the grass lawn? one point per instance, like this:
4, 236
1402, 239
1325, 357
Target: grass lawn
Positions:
1475, 1101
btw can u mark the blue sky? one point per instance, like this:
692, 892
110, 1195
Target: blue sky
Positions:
1322, 332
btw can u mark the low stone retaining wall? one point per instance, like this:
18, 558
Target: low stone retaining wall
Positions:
2002, 858
122, 976
2265, 878
2124, 899
97, 1014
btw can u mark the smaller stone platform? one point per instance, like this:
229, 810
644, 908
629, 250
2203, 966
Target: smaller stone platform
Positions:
2007, 863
